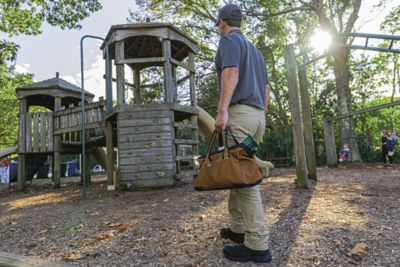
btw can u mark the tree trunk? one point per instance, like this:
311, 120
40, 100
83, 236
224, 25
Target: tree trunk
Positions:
346, 125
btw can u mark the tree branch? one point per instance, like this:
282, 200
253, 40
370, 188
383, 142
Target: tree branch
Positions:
353, 16
283, 12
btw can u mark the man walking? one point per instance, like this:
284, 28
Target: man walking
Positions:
243, 100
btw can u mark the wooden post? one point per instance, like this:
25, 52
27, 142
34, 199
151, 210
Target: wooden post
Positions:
195, 135
57, 150
136, 78
174, 84
166, 44
193, 102
119, 55
88, 169
109, 96
308, 128
330, 144
22, 144
297, 129
110, 155
178, 153
192, 80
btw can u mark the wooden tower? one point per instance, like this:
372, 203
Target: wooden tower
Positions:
38, 136
153, 122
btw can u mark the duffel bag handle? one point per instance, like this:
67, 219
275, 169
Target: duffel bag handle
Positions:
211, 142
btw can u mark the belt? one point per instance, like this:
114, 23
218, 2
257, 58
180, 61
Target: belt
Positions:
245, 104
238, 103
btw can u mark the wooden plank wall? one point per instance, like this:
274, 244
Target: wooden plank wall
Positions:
146, 147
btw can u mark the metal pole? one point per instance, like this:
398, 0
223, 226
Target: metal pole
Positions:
83, 136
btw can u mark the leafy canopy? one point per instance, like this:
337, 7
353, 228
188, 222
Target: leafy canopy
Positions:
27, 17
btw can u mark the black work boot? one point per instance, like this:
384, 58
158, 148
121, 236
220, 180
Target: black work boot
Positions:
243, 254
227, 233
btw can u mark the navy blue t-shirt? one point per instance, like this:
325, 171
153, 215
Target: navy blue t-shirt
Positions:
234, 50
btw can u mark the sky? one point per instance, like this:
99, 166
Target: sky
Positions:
57, 50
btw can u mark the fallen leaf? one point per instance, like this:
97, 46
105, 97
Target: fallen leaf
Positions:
72, 256
114, 225
357, 251
123, 227
105, 235
86, 241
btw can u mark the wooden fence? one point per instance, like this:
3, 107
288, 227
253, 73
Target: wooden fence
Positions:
67, 122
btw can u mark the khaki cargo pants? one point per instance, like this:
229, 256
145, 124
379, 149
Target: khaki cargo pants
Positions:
246, 214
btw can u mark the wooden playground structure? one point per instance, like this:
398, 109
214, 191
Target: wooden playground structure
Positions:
147, 136
57, 132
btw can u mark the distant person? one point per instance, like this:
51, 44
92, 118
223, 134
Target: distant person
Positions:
5, 170
391, 143
384, 142
344, 153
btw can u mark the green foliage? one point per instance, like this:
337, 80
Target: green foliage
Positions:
271, 25
275, 145
370, 150
9, 104
27, 17
391, 22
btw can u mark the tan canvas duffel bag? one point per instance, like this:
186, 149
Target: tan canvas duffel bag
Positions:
227, 168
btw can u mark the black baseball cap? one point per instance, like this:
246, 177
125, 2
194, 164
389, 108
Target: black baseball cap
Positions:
230, 13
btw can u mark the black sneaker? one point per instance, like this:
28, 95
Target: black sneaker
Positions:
243, 254
227, 233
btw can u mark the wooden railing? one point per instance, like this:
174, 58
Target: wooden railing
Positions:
38, 129
67, 122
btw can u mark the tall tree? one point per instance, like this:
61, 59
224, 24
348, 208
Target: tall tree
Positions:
391, 24
335, 17
338, 17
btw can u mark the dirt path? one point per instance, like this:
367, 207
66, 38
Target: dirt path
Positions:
350, 217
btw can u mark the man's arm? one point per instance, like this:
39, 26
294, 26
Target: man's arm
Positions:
267, 96
229, 80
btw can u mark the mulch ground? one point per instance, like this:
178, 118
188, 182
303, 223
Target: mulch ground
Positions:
349, 217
